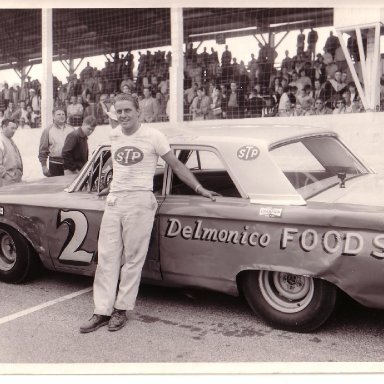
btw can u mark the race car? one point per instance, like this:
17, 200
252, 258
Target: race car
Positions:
299, 218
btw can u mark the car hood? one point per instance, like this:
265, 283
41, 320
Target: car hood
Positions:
47, 185
363, 190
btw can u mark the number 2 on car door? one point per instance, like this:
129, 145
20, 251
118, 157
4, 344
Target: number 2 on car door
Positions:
78, 228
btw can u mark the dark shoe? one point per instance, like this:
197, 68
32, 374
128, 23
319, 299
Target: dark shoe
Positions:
118, 320
95, 322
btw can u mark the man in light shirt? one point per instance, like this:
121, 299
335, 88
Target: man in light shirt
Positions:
51, 145
129, 212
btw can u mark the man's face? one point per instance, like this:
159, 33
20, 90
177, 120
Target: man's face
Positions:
343, 77
233, 87
319, 104
146, 93
127, 114
337, 76
87, 129
10, 105
73, 99
298, 108
9, 130
317, 84
59, 117
22, 104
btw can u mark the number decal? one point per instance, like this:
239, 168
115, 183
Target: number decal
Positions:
78, 228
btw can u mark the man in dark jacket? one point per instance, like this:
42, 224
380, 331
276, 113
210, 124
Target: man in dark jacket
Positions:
75, 150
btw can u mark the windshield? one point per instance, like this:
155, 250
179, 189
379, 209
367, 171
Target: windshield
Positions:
314, 164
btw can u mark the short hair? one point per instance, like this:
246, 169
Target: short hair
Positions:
58, 109
5, 122
127, 97
90, 120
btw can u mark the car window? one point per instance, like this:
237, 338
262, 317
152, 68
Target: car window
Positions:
313, 164
98, 178
209, 171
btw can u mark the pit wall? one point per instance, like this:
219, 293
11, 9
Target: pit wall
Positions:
362, 132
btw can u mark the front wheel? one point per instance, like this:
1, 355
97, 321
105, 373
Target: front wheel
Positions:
16, 258
287, 301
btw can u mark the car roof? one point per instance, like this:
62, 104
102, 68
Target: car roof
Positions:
262, 135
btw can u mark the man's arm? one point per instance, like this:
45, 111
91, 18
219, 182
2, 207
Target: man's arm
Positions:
186, 176
44, 151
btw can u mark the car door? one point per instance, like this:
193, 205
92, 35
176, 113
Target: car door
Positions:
197, 235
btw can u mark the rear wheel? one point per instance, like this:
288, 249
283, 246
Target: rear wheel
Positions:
16, 257
287, 301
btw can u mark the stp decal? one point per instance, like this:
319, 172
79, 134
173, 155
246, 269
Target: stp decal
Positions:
128, 155
248, 152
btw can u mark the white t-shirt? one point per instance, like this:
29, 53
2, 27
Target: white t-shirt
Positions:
134, 158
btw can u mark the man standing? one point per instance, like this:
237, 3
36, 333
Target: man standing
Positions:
75, 150
129, 213
51, 145
11, 165
149, 107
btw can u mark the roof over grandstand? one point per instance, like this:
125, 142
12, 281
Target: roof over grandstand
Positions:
85, 32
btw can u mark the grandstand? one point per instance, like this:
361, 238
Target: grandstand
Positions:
161, 49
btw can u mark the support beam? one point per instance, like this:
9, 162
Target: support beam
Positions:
47, 83
176, 73
281, 40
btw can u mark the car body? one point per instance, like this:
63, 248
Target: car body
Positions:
298, 218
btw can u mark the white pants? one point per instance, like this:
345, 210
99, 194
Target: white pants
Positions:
124, 238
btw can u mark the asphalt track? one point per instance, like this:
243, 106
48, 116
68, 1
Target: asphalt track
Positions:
39, 324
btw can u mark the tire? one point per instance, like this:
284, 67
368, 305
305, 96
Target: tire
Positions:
287, 301
17, 260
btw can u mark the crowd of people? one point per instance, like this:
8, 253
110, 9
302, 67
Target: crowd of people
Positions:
308, 83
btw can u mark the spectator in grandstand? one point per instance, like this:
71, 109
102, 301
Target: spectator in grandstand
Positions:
284, 98
276, 83
128, 82
255, 104
51, 145
125, 89
9, 112
162, 102
23, 124
332, 87
353, 91
32, 118
74, 86
253, 68
216, 108
226, 57
300, 42
318, 91
287, 62
20, 112
75, 112
327, 57
298, 110
287, 111
319, 70
234, 108
304, 97
339, 106
358, 106
321, 108
201, 104
34, 100
303, 80
1, 116
6, 94
11, 164
313, 37
189, 95
295, 77
75, 149
332, 43
149, 107
346, 96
